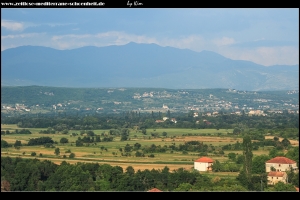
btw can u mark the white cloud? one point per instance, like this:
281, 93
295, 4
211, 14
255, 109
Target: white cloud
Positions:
25, 35
12, 26
71, 41
193, 42
266, 56
223, 41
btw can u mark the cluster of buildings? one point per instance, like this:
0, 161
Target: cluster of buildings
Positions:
276, 168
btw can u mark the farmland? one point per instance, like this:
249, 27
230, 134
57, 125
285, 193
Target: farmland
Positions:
109, 152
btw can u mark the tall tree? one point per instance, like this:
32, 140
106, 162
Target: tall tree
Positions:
169, 114
57, 151
247, 153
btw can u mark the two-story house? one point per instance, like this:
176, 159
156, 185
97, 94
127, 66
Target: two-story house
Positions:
277, 167
281, 164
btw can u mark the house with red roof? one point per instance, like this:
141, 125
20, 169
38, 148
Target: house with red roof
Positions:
281, 164
154, 190
274, 177
203, 164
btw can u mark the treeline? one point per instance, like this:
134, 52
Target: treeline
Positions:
40, 141
17, 131
19, 174
275, 122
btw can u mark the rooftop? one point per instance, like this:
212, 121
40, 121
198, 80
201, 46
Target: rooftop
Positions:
281, 160
154, 190
276, 174
204, 159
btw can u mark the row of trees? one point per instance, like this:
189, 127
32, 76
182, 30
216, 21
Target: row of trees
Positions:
17, 131
184, 120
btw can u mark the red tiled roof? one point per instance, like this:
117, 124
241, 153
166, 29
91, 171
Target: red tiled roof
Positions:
154, 190
276, 174
281, 160
297, 189
204, 159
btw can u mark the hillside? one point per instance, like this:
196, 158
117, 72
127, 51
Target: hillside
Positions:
139, 65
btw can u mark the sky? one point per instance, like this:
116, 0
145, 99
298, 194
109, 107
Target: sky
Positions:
266, 36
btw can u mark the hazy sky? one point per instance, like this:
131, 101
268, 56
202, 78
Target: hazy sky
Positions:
264, 36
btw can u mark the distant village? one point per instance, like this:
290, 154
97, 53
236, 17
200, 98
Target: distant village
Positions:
202, 105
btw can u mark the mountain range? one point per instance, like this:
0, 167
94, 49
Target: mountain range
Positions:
140, 65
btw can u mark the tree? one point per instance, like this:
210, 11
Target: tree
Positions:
169, 114
90, 133
33, 154
144, 131
72, 155
232, 156
285, 143
236, 131
137, 146
17, 144
247, 154
57, 151
139, 154
64, 140
184, 187
127, 148
130, 171
65, 131
280, 186
274, 152
216, 167
98, 138
4, 144
124, 134
258, 164
164, 134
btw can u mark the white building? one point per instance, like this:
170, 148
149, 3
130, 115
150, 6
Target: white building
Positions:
281, 164
203, 164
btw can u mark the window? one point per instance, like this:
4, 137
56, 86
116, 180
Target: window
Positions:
279, 165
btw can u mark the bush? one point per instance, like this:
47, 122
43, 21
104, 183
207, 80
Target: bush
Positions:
64, 140
4, 144
151, 155
33, 154
72, 155
68, 151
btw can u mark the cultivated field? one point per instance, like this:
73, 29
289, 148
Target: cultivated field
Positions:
94, 153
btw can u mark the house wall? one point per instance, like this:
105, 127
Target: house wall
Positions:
280, 167
201, 166
272, 180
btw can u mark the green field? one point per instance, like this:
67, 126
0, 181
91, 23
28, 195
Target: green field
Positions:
94, 153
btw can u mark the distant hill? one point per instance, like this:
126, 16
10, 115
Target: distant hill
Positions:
139, 65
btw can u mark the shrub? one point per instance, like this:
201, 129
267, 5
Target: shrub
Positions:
72, 155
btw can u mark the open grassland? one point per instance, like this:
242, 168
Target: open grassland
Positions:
110, 152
